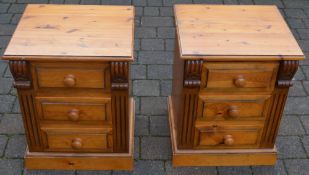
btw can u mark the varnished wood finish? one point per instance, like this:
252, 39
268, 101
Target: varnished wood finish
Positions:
68, 75
284, 81
215, 157
233, 107
71, 69
189, 101
77, 139
235, 76
74, 109
79, 33
22, 81
21, 73
86, 161
120, 97
230, 135
193, 69
234, 33
233, 67
286, 73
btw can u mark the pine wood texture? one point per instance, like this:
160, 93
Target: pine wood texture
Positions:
215, 157
79, 32
57, 75
239, 76
233, 107
71, 69
74, 109
233, 67
234, 32
86, 161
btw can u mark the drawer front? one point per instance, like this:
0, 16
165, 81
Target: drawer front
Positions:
57, 75
77, 140
227, 136
74, 109
233, 107
239, 76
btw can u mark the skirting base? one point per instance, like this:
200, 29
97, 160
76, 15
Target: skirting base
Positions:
223, 157
85, 161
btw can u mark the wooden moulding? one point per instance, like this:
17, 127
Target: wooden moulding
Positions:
86, 161
237, 157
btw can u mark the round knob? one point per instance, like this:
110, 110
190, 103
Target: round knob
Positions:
240, 81
73, 114
233, 111
69, 80
228, 140
76, 143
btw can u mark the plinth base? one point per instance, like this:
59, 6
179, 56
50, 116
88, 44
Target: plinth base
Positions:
223, 157
85, 161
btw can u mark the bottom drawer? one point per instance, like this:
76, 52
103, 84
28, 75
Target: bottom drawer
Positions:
227, 136
77, 139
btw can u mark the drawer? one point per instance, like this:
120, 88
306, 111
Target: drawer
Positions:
67, 75
74, 109
216, 135
233, 107
64, 139
239, 76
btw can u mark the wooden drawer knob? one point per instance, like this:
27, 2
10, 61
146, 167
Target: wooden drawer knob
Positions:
76, 143
73, 114
228, 140
233, 111
240, 81
69, 80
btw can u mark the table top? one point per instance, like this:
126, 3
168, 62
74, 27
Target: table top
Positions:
78, 32
244, 32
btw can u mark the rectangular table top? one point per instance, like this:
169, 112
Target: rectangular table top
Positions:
79, 32
234, 31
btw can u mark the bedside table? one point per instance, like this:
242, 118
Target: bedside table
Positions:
232, 72
70, 64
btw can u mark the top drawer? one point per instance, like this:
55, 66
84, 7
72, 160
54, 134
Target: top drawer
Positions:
68, 75
239, 76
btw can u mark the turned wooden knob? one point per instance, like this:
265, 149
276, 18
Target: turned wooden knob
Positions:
233, 111
240, 81
69, 80
228, 140
76, 143
73, 114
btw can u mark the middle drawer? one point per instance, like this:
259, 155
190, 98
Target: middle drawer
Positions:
232, 107
74, 109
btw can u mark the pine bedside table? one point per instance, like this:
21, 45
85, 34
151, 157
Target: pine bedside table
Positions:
70, 64
232, 72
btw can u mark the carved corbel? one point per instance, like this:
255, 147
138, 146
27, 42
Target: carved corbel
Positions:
120, 97
286, 72
21, 73
192, 73
119, 75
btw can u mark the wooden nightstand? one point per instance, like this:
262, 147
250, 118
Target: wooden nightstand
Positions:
70, 64
232, 72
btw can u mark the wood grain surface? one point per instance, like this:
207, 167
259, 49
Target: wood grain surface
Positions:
60, 31
241, 32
